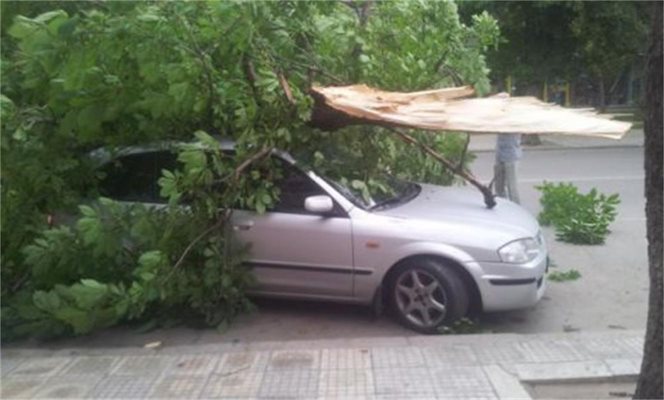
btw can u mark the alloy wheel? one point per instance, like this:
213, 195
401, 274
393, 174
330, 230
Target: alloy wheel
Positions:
420, 298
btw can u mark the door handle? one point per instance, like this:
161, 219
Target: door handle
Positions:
243, 226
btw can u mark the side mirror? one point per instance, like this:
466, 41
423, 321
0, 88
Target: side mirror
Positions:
318, 204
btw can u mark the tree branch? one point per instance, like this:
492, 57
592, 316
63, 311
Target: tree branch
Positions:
311, 68
463, 153
265, 151
250, 73
489, 198
191, 245
286, 88
246, 163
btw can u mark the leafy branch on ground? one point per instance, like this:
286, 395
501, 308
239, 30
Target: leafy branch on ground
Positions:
563, 276
578, 218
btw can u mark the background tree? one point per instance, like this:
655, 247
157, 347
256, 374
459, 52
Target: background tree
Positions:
650, 379
591, 45
537, 44
610, 36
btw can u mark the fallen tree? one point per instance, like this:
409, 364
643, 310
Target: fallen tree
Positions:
97, 76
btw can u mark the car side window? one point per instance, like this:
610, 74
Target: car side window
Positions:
295, 186
135, 177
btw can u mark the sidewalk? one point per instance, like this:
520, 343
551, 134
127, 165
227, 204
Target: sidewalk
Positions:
418, 367
633, 138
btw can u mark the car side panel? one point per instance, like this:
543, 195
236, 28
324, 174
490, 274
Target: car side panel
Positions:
379, 243
298, 253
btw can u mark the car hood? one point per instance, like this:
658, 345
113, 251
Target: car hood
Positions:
462, 211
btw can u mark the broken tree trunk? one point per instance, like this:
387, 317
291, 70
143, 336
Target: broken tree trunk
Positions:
451, 110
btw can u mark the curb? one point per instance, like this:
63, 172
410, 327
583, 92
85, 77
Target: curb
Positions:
549, 147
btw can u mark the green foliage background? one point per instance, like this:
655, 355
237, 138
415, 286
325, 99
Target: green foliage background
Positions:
77, 76
587, 43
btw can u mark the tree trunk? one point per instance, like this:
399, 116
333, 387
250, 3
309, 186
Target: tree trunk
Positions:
602, 95
649, 385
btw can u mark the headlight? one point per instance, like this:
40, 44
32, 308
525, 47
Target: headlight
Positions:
519, 251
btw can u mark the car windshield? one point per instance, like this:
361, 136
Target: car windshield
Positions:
377, 193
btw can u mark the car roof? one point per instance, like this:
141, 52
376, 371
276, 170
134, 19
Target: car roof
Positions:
104, 155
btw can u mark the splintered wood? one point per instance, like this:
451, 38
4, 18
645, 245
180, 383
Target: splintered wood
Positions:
451, 109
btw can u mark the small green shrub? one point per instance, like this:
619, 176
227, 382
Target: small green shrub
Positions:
578, 218
563, 276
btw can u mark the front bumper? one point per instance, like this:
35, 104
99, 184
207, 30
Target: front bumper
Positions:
505, 286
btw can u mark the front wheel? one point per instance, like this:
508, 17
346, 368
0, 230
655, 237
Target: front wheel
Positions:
427, 295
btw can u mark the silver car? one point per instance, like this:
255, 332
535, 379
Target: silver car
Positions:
432, 254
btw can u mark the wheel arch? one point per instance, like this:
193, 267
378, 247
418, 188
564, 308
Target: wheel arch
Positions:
466, 276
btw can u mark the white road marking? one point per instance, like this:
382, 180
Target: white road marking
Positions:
586, 179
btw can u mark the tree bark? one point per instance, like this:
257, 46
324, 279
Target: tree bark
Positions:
602, 95
649, 385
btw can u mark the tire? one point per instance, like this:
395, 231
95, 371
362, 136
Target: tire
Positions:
426, 294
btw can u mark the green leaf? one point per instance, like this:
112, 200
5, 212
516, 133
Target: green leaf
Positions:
50, 16
260, 207
79, 320
47, 301
151, 259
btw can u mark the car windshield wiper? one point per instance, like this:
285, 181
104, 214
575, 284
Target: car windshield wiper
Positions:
413, 191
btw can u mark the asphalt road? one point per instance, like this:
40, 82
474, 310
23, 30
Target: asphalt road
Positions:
610, 295
610, 170
612, 292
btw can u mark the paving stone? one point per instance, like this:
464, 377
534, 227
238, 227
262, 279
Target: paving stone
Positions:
553, 350
142, 365
42, 367
289, 383
375, 342
123, 387
506, 385
245, 361
494, 354
635, 344
624, 366
346, 359
471, 339
403, 382
59, 387
449, 355
562, 370
91, 366
7, 364
345, 383
294, 359
400, 357
242, 384
19, 387
193, 364
611, 348
178, 386
462, 382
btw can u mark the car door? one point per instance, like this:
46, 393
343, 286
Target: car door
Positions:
293, 251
